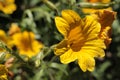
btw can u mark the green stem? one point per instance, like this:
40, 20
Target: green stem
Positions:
3, 46
18, 57
48, 50
50, 5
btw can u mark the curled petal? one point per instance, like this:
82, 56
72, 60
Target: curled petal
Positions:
61, 47
102, 17
106, 22
105, 35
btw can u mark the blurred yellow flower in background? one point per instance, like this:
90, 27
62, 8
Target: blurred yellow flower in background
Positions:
3, 38
81, 40
3, 72
26, 43
91, 10
7, 6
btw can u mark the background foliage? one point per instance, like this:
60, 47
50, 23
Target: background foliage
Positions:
38, 16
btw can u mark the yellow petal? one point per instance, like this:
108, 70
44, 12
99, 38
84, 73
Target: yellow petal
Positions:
86, 62
91, 28
93, 51
71, 17
94, 47
62, 25
61, 47
97, 43
68, 56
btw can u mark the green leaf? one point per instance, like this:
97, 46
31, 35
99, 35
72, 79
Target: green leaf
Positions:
60, 67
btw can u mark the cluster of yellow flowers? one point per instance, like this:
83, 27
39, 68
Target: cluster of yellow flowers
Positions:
84, 39
24, 41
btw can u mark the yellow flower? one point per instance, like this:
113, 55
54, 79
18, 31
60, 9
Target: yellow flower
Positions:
26, 43
81, 40
102, 17
7, 6
86, 10
3, 72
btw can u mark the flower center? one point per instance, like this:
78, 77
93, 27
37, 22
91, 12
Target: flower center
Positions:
76, 38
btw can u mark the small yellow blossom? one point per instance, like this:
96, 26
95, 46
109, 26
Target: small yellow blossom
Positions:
7, 6
81, 40
3, 72
26, 43
86, 10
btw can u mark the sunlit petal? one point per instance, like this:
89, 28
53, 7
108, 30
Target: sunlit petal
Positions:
61, 47
86, 62
62, 25
68, 56
71, 17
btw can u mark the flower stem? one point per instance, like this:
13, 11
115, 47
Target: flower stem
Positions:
96, 5
3, 45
